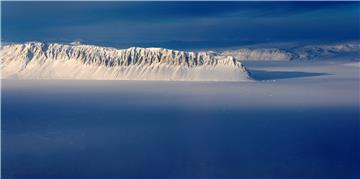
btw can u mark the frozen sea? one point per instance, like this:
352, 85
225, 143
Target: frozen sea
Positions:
298, 120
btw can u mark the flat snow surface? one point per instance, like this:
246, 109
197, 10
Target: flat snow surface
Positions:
298, 120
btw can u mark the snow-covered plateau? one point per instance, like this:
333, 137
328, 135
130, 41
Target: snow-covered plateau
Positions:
37, 60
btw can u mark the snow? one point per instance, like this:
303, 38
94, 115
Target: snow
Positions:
37, 60
259, 54
307, 52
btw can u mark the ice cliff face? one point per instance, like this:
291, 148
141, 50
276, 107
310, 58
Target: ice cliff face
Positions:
74, 61
309, 52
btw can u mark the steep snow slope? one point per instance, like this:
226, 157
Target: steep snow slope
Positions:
308, 52
74, 61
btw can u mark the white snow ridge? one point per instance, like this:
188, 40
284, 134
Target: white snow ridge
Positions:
37, 60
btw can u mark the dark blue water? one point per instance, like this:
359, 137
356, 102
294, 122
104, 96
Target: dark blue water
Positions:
58, 133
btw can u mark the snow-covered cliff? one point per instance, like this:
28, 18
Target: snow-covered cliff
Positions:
37, 60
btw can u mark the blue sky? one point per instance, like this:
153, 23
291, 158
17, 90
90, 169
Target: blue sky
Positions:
181, 25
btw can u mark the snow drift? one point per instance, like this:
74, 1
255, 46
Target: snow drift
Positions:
37, 60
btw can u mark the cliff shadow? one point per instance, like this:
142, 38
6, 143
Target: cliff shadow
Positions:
277, 75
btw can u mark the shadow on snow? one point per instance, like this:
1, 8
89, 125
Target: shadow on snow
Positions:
275, 75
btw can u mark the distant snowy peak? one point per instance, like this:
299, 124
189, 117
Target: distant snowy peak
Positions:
309, 52
76, 61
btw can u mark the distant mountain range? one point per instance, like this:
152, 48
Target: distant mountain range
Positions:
309, 52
